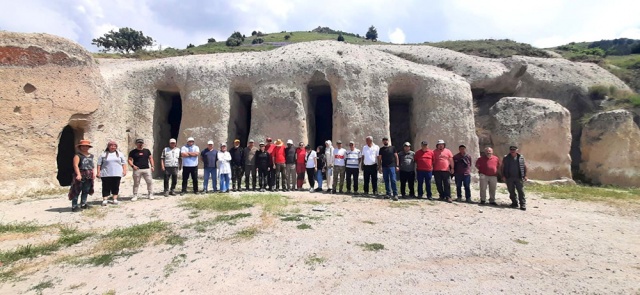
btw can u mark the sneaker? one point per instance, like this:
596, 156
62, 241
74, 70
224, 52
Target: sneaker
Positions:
319, 190
75, 209
166, 194
311, 190
152, 197
172, 193
449, 200
105, 202
412, 196
135, 198
115, 202
468, 200
385, 197
348, 192
459, 199
513, 205
482, 202
419, 197
395, 198
262, 190
523, 208
85, 206
182, 193
430, 198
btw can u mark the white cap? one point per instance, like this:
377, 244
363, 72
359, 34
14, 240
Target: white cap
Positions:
440, 141
173, 140
289, 141
190, 139
210, 142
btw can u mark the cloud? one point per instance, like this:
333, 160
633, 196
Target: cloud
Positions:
397, 36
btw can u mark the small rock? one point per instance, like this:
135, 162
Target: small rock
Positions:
512, 277
321, 209
480, 211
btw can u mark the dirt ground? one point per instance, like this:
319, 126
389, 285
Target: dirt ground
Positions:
430, 247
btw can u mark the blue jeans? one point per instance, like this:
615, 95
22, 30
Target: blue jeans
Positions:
224, 182
86, 186
210, 173
389, 177
466, 180
424, 177
319, 178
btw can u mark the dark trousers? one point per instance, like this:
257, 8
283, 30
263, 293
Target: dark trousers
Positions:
170, 173
407, 177
110, 186
249, 170
424, 177
311, 173
280, 176
263, 178
193, 172
513, 185
236, 176
272, 178
443, 183
370, 174
466, 181
353, 173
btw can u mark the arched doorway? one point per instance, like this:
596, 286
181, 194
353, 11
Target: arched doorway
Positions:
320, 112
167, 117
64, 159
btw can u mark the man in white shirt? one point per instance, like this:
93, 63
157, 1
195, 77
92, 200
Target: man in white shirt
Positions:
189, 154
339, 166
370, 153
224, 168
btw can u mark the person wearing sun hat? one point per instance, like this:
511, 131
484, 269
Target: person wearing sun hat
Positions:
237, 165
84, 173
279, 164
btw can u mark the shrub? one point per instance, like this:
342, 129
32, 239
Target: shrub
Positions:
254, 33
257, 41
190, 46
237, 35
340, 38
598, 92
211, 40
286, 37
233, 41
260, 34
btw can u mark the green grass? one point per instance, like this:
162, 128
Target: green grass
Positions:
520, 241
247, 233
41, 286
202, 225
230, 218
372, 247
133, 237
404, 204
304, 226
20, 227
368, 222
491, 48
224, 202
585, 193
175, 240
110, 292
105, 259
68, 236
314, 259
295, 217
174, 264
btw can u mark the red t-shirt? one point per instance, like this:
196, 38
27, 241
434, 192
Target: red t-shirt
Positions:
488, 166
441, 159
278, 155
424, 160
301, 153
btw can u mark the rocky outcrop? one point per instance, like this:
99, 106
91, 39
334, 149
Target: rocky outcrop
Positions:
47, 83
610, 153
541, 130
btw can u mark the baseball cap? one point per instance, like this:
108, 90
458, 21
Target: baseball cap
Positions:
385, 138
173, 140
261, 143
513, 147
407, 144
339, 142
190, 139
462, 146
210, 142
251, 141
269, 139
351, 142
139, 140
289, 141
223, 144
237, 140
424, 142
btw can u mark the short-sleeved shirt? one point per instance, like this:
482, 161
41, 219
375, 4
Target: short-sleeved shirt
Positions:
441, 159
424, 160
352, 158
290, 155
488, 166
309, 158
301, 153
249, 154
209, 158
407, 161
171, 157
278, 155
370, 154
111, 164
140, 158
85, 162
388, 156
190, 161
339, 157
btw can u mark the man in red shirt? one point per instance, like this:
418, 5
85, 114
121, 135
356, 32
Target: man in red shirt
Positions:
487, 166
442, 170
271, 178
300, 165
424, 169
279, 161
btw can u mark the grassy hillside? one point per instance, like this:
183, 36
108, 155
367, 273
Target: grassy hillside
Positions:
270, 41
491, 48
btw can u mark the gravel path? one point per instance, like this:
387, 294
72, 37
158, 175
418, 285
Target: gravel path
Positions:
557, 246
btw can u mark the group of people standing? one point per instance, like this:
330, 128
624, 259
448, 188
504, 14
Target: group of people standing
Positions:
276, 167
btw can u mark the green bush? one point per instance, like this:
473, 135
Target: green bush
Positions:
190, 46
233, 41
211, 40
286, 37
257, 41
598, 92
340, 38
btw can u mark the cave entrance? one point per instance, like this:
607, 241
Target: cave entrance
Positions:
167, 116
400, 121
240, 117
66, 151
321, 110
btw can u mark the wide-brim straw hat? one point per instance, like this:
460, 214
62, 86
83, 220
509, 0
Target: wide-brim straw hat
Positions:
84, 142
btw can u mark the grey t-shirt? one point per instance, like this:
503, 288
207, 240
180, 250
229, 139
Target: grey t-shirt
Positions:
111, 164
407, 161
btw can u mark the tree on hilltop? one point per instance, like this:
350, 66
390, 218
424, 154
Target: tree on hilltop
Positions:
125, 40
340, 38
372, 34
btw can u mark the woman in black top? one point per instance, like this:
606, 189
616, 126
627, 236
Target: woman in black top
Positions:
263, 165
322, 161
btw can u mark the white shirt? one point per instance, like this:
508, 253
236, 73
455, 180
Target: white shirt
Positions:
310, 157
370, 154
224, 162
338, 157
171, 157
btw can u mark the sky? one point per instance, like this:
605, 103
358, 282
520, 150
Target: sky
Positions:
177, 23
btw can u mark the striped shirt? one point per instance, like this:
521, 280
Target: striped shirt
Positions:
353, 158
